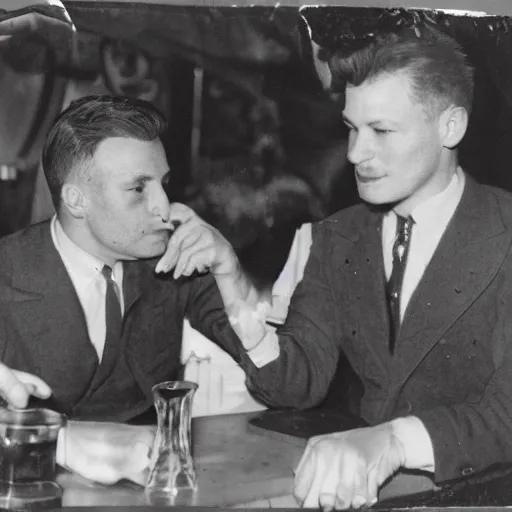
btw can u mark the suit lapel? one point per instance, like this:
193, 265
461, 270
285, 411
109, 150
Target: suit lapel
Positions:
467, 258
48, 315
136, 281
364, 271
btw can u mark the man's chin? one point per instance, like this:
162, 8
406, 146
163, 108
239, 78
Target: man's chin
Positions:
377, 197
149, 253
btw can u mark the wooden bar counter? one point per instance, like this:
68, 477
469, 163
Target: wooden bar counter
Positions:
234, 467
237, 467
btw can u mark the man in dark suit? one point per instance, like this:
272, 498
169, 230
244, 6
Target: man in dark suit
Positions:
86, 325
414, 286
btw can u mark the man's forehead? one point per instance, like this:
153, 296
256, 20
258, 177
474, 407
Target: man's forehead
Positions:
130, 159
382, 97
128, 149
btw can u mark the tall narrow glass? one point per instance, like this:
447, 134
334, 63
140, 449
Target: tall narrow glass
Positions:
172, 469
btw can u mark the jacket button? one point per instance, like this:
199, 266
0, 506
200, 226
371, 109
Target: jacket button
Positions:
467, 471
442, 341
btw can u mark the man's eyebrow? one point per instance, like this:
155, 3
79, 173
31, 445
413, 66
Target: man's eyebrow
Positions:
371, 123
143, 178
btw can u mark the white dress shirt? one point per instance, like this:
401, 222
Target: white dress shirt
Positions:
90, 285
430, 220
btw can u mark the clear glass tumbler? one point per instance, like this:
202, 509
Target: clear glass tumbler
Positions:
28, 448
172, 478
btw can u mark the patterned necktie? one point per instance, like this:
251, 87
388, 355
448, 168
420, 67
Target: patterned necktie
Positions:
113, 315
400, 252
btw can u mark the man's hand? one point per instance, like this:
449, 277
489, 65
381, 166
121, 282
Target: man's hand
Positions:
16, 387
346, 469
106, 452
196, 246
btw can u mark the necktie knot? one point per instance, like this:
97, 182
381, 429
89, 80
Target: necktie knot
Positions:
403, 236
111, 284
107, 273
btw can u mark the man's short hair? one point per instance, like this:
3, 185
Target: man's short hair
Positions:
439, 73
77, 132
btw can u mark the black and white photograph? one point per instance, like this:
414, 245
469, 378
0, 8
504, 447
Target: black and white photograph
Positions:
255, 254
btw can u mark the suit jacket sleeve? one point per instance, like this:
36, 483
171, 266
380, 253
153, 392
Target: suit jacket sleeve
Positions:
204, 308
300, 377
309, 349
470, 436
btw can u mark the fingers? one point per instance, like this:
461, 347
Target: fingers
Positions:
305, 471
193, 258
333, 475
317, 476
354, 492
304, 477
373, 486
187, 228
309, 486
16, 387
36, 385
181, 213
193, 246
137, 468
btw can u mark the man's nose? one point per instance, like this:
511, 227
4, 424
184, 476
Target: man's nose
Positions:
160, 205
359, 148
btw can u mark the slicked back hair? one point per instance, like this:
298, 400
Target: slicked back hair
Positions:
437, 68
78, 130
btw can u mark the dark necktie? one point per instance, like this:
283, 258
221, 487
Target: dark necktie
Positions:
113, 315
400, 252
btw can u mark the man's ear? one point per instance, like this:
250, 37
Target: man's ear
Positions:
74, 199
453, 124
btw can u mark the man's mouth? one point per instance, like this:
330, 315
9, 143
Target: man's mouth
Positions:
367, 178
159, 232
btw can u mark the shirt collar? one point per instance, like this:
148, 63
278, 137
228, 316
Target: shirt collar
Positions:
436, 207
83, 265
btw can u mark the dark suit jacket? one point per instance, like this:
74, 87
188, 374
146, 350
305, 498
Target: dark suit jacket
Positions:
43, 329
453, 361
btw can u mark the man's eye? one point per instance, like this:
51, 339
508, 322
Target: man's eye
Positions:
381, 130
139, 189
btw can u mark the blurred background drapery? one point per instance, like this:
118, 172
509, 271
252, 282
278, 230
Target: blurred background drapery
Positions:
35, 46
256, 144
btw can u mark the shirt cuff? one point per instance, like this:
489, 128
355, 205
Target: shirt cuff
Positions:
249, 322
416, 443
266, 351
